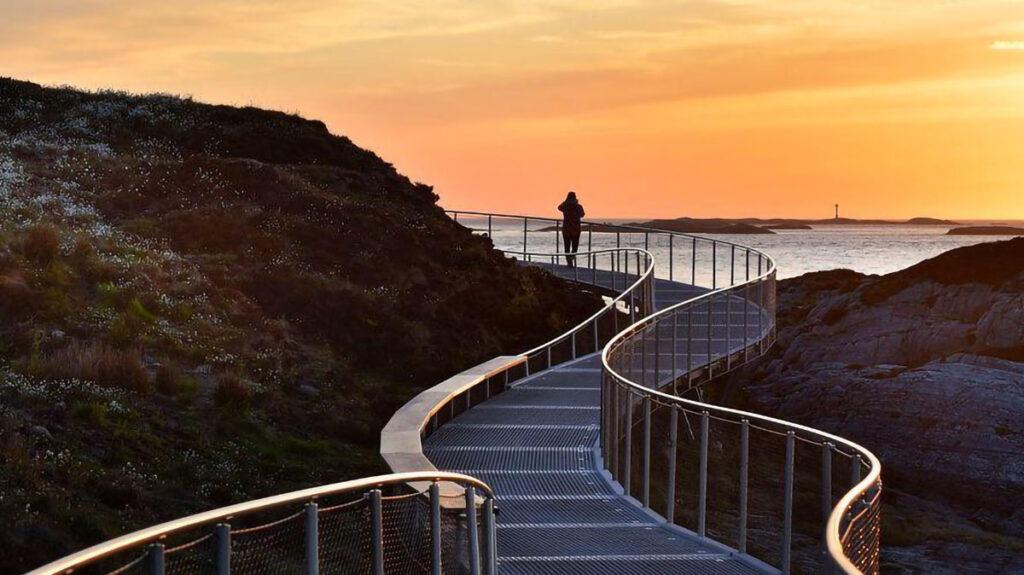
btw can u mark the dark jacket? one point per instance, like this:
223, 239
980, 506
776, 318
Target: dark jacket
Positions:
572, 213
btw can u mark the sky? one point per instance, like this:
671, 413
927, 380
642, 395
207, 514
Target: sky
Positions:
895, 108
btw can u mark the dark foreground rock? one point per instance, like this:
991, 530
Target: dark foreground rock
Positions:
925, 367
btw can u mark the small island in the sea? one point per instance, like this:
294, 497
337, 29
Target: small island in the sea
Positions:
986, 231
754, 225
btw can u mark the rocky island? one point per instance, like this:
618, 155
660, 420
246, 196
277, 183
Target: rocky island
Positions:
925, 367
986, 231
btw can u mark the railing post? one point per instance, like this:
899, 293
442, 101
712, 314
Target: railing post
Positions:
746, 321
628, 444
491, 545
689, 342
490, 227
647, 452
787, 521
670, 486
155, 559
223, 540
702, 496
312, 539
732, 266
714, 264
675, 347
435, 528
573, 345
657, 354
613, 259
693, 263
728, 330
671, 256
472, 531
616, 417
760, 308
711, 323
643, 357
632, 307
525, 223
558, 240
744, 477
605, 426
377, 531
826, 500
854, 470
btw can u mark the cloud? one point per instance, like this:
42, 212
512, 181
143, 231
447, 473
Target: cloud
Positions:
1008, 45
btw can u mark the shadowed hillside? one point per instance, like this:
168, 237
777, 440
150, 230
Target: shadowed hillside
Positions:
203, 304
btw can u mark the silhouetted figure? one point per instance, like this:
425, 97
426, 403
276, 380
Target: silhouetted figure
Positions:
572, 213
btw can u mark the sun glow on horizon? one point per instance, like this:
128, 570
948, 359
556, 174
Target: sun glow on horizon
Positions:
646, 108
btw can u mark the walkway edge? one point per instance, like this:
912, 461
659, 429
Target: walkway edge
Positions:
401, 440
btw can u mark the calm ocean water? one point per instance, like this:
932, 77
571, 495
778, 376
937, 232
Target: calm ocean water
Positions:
866, 249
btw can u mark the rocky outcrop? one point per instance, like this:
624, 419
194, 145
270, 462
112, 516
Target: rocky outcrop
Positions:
986, 231
925, 367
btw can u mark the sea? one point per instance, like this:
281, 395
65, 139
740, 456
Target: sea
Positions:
869, 249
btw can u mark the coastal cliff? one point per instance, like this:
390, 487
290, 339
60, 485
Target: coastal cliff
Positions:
205, 304
925, 367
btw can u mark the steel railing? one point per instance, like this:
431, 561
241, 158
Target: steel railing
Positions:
776, 492
392, 523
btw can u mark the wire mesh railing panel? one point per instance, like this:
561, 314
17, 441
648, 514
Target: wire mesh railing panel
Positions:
196, 557
456, 545
723, 471
137, 566
407, 534
766, 503
276, 548
687, 500
345, 539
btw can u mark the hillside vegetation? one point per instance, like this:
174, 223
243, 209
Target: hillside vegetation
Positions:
202, 304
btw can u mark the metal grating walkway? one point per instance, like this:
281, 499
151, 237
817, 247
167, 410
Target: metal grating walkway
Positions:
535, 445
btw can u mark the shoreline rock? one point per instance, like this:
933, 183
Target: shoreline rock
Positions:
925, 367
986, 231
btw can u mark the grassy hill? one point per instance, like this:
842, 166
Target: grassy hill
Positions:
203, 304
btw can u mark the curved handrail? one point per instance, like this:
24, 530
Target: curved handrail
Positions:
403, 435
641, 279
162, 531
852, 505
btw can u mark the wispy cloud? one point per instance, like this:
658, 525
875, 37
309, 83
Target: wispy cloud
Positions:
1008, 45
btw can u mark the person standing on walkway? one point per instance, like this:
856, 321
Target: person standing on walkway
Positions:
572, 213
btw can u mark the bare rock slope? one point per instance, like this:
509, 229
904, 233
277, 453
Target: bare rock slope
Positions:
925, 367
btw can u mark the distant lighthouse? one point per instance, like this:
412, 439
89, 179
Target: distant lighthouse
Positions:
837, 211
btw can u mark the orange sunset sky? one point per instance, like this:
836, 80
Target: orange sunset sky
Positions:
892, 108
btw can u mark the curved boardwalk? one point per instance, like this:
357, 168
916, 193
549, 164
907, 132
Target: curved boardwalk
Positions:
535, 445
